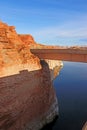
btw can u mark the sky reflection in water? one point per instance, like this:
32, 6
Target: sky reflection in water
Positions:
71, 90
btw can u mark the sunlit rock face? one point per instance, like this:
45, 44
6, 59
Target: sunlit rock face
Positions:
27, 39
55, 67
27, 96
15, 55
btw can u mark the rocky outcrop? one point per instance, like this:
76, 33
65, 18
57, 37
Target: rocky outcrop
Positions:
27, 39
15, 55
27, 96
55, 67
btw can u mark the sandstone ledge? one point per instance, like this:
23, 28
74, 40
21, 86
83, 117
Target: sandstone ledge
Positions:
27, 96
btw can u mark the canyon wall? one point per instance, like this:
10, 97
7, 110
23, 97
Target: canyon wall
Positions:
27, 97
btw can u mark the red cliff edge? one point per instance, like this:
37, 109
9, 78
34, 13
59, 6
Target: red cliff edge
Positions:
27, 97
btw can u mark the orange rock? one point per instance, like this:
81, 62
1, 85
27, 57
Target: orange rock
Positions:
27, 98
27, 39
14, 48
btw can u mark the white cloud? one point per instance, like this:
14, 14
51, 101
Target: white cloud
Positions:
74, 28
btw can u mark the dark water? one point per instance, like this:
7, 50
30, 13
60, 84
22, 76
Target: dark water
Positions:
71, 90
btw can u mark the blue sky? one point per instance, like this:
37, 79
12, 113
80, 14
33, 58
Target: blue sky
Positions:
55, 22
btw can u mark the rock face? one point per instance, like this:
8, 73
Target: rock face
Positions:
15, 55
27, 97
55, 67
27, 39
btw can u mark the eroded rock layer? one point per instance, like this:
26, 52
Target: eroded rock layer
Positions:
27, 97
15, 55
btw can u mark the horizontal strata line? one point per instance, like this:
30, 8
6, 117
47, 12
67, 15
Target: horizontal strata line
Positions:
71, 51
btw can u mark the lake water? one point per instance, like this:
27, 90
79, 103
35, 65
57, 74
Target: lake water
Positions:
71, 90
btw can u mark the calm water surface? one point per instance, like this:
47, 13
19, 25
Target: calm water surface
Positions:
71, 90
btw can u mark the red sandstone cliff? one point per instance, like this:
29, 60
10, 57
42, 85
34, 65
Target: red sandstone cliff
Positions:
27, 39
27, 98
14, 53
